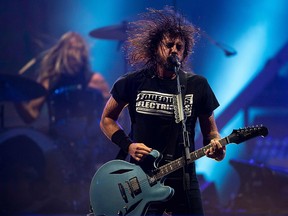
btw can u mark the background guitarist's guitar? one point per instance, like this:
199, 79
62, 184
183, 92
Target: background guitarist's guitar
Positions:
122, 188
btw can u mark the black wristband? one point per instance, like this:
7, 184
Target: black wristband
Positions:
121, 139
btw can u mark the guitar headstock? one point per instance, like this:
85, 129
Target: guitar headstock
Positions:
243, 134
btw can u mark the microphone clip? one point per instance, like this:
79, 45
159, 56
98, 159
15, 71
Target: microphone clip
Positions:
174, 60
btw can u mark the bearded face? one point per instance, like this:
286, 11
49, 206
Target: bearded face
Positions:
167, 47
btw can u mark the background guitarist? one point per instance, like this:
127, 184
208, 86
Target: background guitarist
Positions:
148, 92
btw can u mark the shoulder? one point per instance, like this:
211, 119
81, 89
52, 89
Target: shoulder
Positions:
192, 77
97, 81
197, 82
133, 76
96, 77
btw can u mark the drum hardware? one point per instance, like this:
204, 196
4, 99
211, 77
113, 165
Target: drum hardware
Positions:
73, 111
55, 183
28, 175
118, 32
17, 88
114, 32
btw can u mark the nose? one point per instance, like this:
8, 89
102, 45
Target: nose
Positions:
174, 49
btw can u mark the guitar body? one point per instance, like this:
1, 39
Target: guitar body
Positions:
122, 188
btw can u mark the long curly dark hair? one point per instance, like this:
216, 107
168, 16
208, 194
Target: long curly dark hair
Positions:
145, 35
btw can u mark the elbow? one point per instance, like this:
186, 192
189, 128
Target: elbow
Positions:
101, 124
104, 122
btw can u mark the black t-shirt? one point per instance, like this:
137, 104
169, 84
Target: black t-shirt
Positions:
151, 108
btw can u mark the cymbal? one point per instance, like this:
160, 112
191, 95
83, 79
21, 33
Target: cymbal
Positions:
17, 88
114, 32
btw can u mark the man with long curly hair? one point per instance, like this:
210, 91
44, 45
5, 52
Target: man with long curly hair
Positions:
158, 46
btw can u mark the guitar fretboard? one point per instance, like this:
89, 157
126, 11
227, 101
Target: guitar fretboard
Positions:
181, 162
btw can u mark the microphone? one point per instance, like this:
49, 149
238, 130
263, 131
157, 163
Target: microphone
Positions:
174, 60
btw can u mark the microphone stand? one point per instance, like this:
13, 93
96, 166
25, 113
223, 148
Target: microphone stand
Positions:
180, 116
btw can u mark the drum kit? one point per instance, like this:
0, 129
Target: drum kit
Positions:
48, 190
114, 32
18, 88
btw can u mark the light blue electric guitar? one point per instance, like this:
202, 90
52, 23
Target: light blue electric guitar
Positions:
122, 188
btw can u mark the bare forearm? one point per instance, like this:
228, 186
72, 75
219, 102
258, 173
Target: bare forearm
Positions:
208, 128
210, 136
29, 111
109, 124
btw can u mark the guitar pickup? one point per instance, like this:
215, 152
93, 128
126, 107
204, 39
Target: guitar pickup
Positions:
134, 186
123, 193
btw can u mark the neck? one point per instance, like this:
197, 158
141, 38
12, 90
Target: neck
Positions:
163, 73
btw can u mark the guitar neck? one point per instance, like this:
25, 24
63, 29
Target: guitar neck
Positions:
181, 162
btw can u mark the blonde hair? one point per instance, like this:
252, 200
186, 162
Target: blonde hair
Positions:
68, 56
